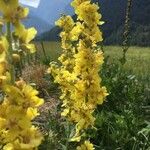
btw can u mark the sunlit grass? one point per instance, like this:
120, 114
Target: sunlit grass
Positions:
138, 58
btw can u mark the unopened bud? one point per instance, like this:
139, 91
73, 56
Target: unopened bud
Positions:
16, 58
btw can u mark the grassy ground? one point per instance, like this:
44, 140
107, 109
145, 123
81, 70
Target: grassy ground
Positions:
138, 58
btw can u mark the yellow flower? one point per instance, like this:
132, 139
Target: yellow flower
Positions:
78, 75
11, 10
76, 3
65, 22
76, 31
88, 12
25, 36
29, 139
86, 146
3, 63
7, 7
17, 111
3, 44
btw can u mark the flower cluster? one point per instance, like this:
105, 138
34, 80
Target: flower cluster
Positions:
17, 111
14, 13
86, 146
20, 101
3, 62
78, 74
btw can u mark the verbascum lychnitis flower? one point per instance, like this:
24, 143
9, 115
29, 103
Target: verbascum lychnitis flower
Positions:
81, 60
20, 102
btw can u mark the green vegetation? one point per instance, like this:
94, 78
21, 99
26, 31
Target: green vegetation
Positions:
138, 58
122, 122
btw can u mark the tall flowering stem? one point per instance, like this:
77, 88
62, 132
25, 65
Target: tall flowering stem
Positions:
78, 75
126, 33
20, 102
10, 53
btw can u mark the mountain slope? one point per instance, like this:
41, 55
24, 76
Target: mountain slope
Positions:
113, 12
44, 17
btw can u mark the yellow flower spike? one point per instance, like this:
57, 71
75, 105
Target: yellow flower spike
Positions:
78, 74
3, 63
17, 111
20, 104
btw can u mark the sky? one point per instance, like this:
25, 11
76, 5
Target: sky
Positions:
32, 3
44, 13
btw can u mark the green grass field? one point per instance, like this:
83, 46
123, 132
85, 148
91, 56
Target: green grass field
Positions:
138, 58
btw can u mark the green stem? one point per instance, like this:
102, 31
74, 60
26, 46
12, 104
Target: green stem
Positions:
68, 135
44, 52
10, 52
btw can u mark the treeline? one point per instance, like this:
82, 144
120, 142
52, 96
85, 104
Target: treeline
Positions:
114, 12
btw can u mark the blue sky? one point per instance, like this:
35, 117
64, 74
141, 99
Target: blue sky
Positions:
32, 3
46, 12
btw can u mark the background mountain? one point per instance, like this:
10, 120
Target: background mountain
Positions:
44, 17
113, 12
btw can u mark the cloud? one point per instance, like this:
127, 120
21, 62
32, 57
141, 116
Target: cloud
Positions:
32, 3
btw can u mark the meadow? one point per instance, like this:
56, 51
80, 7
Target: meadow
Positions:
138, 58
126, 109
85, 101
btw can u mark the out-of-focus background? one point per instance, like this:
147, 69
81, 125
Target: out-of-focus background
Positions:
113, 12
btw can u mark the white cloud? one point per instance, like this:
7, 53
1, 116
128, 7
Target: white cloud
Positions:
32, 3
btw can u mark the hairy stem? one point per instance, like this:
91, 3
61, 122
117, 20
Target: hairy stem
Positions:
10, 52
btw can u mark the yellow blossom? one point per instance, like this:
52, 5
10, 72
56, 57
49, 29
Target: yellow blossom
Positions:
88, 13
17, 111
7, 7
78, 75
25, 36
65, 22
86, 146
11, 10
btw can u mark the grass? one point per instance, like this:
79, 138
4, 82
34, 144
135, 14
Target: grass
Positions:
138, 58
53, 50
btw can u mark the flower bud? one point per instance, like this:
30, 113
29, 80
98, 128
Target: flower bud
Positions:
16, 58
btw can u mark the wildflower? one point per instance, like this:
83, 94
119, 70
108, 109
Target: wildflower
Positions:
87, 12
25, 36
19, 106
16, 113
86, 146
8, 7
78, 74
11, 10
3, 62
